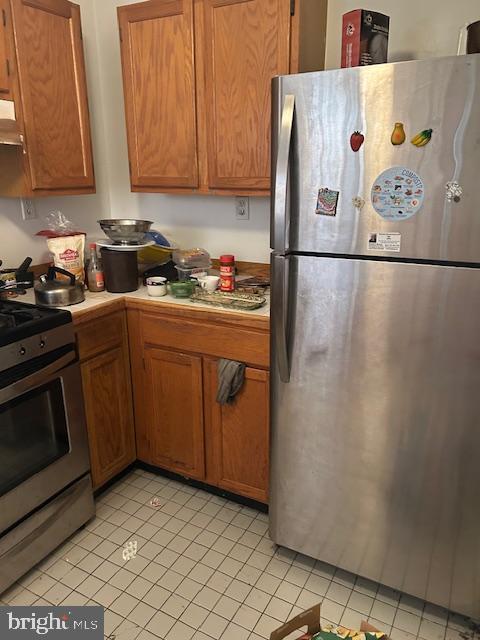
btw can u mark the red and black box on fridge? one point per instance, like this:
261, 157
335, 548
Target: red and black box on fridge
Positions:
364, 38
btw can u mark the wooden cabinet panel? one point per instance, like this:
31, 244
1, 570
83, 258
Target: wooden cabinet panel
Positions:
238, 435
174, 413
205, 338
5, 62
158, 72
54, 94
100, 335
108, 407
246, 45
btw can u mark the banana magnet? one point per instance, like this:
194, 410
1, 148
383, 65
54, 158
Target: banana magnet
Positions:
422, 138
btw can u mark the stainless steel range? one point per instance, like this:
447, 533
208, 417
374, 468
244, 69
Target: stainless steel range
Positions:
45, 485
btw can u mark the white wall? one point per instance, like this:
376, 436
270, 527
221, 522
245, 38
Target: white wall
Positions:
418, 28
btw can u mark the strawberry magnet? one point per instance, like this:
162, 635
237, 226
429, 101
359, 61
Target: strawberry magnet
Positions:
356, 140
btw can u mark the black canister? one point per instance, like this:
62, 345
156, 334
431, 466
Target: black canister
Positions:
473, 37
120, 269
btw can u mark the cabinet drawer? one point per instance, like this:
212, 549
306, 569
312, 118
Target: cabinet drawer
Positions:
207, 338
101, 335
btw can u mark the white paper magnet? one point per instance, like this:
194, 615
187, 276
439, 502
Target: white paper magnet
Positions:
385, 242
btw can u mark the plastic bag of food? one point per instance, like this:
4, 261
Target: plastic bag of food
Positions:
58, 225
69, 253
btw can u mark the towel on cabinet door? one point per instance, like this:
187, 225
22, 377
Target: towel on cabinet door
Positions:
231, 375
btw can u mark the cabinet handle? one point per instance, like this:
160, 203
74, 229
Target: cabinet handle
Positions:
24, 146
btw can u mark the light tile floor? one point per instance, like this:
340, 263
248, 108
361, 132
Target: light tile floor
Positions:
206, 569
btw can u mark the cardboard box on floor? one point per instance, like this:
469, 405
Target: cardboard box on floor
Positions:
310, 619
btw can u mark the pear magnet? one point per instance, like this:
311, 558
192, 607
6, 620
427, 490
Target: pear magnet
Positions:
398, 134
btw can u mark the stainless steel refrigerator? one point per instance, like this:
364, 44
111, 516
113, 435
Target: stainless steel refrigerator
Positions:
376, 324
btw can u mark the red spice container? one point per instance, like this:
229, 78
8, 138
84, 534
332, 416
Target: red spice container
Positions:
227, 273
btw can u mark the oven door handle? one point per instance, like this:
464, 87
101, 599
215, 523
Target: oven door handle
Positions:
36, 379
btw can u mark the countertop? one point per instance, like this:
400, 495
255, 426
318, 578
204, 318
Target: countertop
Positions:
95, 300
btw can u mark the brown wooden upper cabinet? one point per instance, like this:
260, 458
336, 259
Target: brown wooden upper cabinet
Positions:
47, 75
5, 82
197, 83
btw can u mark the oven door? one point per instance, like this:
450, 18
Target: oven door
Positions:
43, 438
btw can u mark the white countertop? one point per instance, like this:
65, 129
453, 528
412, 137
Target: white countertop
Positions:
93, 300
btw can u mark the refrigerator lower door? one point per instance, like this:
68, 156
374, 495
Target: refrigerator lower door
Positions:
376, 436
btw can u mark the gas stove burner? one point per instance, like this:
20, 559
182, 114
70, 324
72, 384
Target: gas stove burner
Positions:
14, 317
25, 315
6, 321
19, 320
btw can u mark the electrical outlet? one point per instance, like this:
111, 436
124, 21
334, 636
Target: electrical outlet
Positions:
28, 209
242, 208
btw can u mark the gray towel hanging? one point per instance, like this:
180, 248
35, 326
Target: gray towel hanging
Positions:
231, 375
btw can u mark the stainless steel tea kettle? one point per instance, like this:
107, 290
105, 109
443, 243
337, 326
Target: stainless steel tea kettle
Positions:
50, 292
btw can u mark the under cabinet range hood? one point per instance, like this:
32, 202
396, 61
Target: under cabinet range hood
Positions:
9, 131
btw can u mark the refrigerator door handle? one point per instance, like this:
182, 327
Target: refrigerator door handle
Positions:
280, 273
280, 214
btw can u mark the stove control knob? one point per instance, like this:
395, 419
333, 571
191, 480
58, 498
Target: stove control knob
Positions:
41, 344
22, 351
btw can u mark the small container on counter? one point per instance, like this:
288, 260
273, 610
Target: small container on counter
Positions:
190, 258
185, 273
157, 286
227, 273
183, 289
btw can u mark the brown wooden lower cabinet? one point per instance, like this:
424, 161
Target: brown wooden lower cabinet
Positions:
238, 435
174, 411
179, 425
107, 393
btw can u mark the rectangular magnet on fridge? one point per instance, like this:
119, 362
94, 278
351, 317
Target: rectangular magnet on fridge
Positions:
327, 202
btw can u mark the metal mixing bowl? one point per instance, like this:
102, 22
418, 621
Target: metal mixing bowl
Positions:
123, 231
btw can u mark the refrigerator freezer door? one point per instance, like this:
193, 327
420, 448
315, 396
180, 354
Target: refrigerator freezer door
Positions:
441, 94
376, 438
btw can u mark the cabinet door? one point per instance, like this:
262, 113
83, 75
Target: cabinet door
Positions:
159, 87
108, 407
174, 413
5, 62
238, 458
246, 45
54, 94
